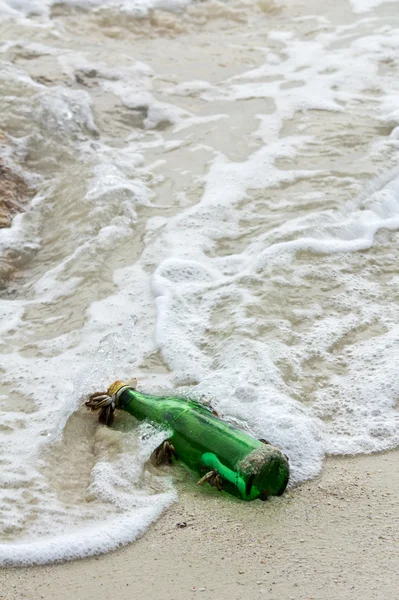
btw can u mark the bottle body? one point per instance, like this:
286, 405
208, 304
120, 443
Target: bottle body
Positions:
249, 468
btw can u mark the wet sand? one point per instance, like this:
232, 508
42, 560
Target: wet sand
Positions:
334, 537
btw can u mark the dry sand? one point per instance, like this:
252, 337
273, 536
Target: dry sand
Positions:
335, 537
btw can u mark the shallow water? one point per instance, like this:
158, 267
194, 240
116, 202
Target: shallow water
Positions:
217, 212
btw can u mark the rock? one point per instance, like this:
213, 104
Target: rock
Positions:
14, 193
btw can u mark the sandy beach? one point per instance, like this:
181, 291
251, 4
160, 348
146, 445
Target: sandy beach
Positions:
204, 195
334, 537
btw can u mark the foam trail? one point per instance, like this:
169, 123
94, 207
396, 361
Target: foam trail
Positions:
91, 541
136, 8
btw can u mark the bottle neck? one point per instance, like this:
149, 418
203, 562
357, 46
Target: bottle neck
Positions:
130, 397
146, 406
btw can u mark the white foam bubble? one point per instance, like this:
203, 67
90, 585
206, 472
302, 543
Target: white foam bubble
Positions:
65, 112
135, 8
362, 6
89, 541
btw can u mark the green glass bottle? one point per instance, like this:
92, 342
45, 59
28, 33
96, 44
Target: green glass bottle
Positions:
221, 454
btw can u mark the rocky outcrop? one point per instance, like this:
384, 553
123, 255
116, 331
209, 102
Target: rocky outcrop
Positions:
14, 193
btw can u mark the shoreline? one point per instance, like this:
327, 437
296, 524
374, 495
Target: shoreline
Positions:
331, 537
